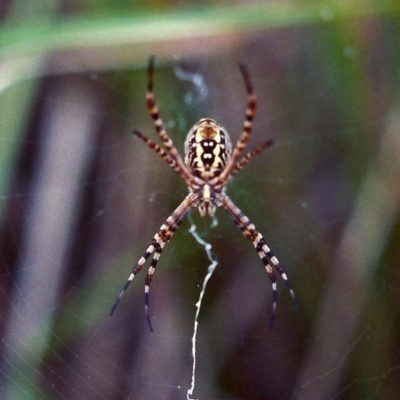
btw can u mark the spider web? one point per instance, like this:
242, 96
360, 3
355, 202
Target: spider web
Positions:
85, 199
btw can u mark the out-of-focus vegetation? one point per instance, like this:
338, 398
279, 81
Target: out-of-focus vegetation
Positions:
81, 200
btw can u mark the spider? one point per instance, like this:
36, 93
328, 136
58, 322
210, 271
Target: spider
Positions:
208, 165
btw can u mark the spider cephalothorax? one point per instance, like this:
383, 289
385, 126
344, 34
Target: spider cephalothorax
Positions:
209, 163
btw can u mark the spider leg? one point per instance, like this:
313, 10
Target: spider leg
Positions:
245, 160
164, 234
247, 126
264, 252
158, 123
158, 249
160, 151
138, 266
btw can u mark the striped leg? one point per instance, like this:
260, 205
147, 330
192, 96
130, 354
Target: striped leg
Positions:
158, 123
160, 151
165, 233
245, 160
247, 126
267, 256
138, 266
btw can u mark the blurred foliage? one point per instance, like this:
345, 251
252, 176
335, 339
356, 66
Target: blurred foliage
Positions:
331, 95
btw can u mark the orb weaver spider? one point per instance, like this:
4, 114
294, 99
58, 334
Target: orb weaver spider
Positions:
208, 165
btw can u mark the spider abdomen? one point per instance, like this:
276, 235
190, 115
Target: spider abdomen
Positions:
207, 149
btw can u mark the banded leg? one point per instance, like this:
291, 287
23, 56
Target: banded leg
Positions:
138, 266
245, 160
158, 123
160, 239
164, 234
264, 252
160, 151
247, 126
